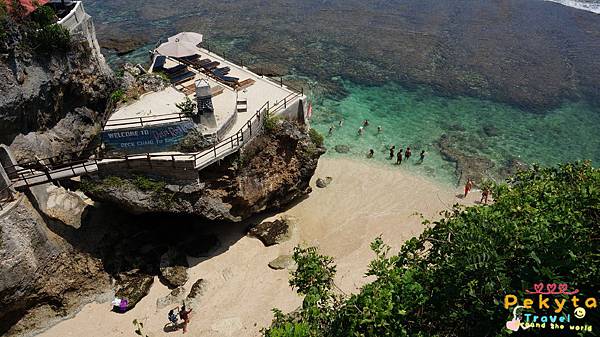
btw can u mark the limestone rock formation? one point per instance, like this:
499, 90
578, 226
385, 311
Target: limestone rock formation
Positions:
133, 286
40, 89
274, 169
40, 272
282, 262
271, 233
175, 296
173, 269
198, 289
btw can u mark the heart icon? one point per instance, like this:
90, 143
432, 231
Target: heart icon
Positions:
551, 287
562, 288
538, 287
513, 325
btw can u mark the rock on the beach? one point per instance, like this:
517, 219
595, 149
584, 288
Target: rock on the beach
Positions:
198, 289
175, 296
272, 232
282, 262
133, 287
173, 269
322, 183
342, 148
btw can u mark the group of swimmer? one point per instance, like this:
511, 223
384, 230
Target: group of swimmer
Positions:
400, 155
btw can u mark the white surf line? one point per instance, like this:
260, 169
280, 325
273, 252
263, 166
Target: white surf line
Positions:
593, 7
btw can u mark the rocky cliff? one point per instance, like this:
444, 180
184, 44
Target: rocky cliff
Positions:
39, 89
272, 170
42, 277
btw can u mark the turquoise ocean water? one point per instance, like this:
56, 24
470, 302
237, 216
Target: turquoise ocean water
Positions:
417, 118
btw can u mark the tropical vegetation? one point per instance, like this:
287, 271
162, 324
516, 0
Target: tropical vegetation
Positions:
543, 226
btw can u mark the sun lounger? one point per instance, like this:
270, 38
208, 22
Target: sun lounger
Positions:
245, 84
175, 70
211, 65
229, 79
183, 77
220, 72
159, 63
189, 59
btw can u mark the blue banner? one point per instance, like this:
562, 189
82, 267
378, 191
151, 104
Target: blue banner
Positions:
159, 138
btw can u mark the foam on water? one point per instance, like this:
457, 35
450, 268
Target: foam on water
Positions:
590, 5
418, 118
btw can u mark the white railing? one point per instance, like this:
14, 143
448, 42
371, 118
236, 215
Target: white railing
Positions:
75, 17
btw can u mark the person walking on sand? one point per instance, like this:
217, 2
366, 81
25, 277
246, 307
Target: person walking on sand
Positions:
399, 158
184, 314
422, 155
468, 186
331, 130
408, 153
485, 193
360, 131
392, 151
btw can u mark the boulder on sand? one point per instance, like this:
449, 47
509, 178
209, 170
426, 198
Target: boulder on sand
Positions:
282, 262
322, 183
342, 148
133, 287
173, 269
271, 232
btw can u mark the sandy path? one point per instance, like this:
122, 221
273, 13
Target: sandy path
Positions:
364, 200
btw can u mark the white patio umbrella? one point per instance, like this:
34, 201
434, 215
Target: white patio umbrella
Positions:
177, 49
190, 37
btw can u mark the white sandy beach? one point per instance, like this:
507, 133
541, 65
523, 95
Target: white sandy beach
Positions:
363, 201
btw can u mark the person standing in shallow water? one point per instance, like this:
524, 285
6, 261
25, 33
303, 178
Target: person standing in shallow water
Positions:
360, 131
468, 186
399, 157
340, 123
331, 130
422, 156
392, 152
371, 153
366, 122
379, 129
408, 153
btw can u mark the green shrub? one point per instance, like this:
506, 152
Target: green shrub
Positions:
51, 38
44, 16
117, 95
271, 123
316, 137
187, 107
452, 279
